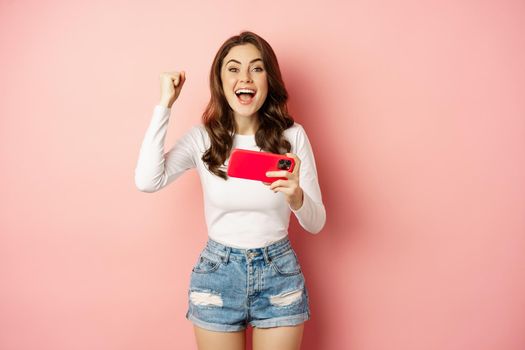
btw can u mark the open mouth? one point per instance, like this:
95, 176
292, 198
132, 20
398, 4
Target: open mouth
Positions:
245, 96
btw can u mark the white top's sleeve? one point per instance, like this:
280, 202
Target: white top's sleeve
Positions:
312, 214
154, 169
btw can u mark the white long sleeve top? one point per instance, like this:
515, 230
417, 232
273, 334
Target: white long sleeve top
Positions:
239, 213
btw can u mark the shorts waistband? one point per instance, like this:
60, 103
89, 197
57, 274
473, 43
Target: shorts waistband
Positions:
273, 249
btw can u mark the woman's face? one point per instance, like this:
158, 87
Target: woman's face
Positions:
243, 68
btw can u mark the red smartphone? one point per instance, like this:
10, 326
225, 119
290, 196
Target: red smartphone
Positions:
253, 165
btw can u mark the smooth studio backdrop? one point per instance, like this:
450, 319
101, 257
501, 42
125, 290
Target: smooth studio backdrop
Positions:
416, 116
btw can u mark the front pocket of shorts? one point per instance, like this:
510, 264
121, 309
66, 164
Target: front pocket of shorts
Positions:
205, 264
286, 264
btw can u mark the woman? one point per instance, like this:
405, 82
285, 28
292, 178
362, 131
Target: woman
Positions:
247, 273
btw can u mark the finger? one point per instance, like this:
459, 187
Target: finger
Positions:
278, 173
175, 80
282, 189
178, 77
279, 183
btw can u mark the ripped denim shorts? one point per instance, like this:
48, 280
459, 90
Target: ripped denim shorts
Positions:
232, 287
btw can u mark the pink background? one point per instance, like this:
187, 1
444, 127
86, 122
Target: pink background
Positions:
415, 112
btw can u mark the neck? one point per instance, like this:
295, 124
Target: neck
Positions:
246, 125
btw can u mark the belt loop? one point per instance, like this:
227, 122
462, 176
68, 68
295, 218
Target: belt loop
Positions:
266, 256
227, 257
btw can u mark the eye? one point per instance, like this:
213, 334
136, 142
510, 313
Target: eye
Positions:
258, 69
232, 69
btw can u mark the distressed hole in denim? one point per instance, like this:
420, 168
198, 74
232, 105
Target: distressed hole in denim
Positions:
205, 298
286, 298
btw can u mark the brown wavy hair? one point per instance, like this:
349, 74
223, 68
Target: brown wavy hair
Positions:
273, 115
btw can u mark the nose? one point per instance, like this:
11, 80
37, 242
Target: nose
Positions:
246, 77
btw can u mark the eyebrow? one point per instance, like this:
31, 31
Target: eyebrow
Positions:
254, 60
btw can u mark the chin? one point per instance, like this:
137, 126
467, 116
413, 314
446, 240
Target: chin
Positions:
245, 112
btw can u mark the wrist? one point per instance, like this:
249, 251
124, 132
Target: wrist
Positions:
165, 104
298, 203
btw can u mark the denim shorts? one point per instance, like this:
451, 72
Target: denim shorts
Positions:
232, 287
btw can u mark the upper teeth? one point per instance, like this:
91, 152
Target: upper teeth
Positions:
245, 90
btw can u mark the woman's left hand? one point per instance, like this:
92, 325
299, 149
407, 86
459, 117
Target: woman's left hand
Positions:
290, 187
